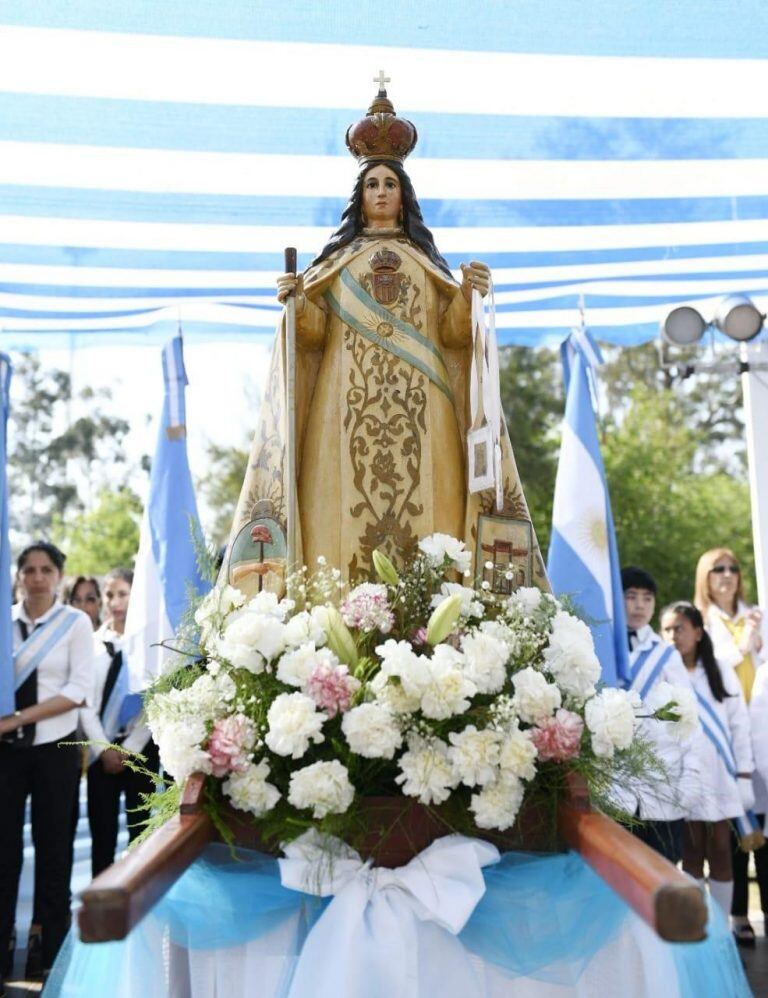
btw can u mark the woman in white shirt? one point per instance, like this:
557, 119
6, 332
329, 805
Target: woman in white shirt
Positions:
736, 632
53, 661
115, 717
724, 753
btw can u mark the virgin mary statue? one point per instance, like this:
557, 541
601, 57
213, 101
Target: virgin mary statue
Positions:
384, 345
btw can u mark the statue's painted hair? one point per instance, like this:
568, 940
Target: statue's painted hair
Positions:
413, 221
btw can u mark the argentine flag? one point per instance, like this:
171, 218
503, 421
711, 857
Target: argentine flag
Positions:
583, 559
7, 696
165, 565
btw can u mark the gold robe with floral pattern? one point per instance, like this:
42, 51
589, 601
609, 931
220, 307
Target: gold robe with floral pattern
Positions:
382, 367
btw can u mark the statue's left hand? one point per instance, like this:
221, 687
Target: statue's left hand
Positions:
475, 275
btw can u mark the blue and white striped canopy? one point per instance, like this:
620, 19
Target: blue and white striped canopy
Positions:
156, 157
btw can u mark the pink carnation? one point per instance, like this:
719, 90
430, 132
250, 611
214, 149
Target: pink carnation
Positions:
558, 738
331, 687
367, 608
230, 744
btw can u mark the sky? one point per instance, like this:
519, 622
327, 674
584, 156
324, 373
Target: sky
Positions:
225, 381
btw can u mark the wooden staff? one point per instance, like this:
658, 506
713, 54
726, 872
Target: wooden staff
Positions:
661, 895
290, 405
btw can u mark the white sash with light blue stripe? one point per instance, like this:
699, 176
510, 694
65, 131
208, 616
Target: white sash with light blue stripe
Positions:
40, 643
645, 667
720, 737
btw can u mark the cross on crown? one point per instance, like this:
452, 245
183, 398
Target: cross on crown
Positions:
382, 80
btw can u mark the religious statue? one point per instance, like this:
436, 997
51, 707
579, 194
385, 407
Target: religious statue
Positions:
384, 349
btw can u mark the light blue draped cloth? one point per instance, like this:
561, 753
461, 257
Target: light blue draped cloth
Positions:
543, 917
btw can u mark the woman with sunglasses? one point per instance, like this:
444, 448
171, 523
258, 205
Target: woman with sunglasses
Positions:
736, 632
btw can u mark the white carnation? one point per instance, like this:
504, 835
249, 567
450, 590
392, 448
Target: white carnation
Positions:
372, 731
485, 660
426, 771
399, 659
304, 627
324, 787
535, 699
250, 640
517, 753
267, 604
438, 547
220, 601
527, 599
470, 605
502, 632
295, 667
610, 717
570, 656
448, 691
250, 791
391, 694
179, 742
474, 755
293, 722
683, 701
497, 805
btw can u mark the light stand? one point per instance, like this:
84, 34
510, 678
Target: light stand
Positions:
740, 320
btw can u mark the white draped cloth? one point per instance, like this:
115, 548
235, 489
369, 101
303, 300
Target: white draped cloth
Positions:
393, 934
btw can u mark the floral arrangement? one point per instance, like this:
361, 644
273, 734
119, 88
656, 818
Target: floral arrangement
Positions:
462, 699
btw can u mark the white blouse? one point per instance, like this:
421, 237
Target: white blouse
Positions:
138, 734
719, 796
67, 669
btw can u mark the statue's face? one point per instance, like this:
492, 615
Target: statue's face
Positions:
381, 198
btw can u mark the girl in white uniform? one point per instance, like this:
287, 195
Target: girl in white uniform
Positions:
725, 753
736, 632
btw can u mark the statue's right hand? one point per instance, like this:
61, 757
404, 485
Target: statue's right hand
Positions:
290, 284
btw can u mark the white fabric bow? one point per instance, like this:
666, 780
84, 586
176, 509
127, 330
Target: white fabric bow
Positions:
387, 933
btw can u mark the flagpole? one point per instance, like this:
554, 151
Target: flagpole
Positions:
290, 405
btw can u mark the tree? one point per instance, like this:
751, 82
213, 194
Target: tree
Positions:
666, 512
532, 400
220, 486
103, 538
710, 401
56, 463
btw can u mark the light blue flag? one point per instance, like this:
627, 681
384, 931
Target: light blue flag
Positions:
7, 698
166, 566
583, 558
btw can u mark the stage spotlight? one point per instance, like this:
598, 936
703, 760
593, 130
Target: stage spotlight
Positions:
738, 317
683, 326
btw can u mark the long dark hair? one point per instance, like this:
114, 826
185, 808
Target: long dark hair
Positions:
705, 652
413, 221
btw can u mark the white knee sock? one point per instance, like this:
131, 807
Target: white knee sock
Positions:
722, 892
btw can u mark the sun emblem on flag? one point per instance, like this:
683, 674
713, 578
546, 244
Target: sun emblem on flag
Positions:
594, 532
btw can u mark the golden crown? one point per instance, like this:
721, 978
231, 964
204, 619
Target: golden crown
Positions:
385, 260
381, 134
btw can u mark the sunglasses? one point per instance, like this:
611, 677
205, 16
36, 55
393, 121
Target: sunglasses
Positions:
720, 569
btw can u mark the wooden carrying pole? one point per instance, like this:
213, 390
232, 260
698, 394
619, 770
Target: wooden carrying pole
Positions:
666, 899
290, 412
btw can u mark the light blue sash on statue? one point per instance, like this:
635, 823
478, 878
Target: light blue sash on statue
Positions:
645, 668
720, 737
40, 643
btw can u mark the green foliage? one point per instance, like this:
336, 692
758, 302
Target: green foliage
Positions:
666, 512
102, 538
55, 461
709, 402
532, 400
220, 486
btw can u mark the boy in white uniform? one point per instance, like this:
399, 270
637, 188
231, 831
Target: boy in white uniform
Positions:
652, 662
